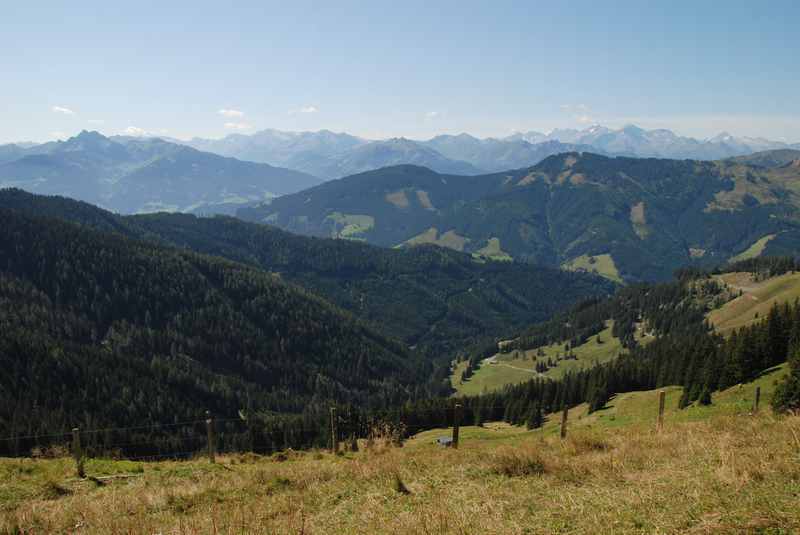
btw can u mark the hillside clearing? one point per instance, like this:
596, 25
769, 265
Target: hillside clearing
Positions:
493, 251
714, 469
602, 265
520, 366
754, 250
449, 239
757, 298
350, 225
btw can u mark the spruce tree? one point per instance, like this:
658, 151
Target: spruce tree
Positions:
787, 395
705, 397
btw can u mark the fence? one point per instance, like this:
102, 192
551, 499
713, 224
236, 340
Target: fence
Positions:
212, 436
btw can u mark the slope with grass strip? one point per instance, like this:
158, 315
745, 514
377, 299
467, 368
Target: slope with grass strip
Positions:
757, 298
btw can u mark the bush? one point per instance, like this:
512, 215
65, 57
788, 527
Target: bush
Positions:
584, 443
52, 490
398, 485
517, 463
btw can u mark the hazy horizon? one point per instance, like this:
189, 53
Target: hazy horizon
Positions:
315, 131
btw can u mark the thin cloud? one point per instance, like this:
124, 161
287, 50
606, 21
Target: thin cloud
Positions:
572, 108
231, 113
432, 115
57, 135
141, 132
134, 131
237, 126
62, 109
305, 109
580, 112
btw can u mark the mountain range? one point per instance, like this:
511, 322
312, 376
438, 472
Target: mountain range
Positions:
333, 155
130, 174
660, 143
135, 174
627, 218
330, 155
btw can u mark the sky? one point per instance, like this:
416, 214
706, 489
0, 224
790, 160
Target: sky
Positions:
388, 69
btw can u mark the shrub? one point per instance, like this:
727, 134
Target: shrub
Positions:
583, 443
398, 485
53, 490
517, 463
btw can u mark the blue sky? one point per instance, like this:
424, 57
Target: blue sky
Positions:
382, 69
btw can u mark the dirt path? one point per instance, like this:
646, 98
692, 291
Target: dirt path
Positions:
516, 368
494, 362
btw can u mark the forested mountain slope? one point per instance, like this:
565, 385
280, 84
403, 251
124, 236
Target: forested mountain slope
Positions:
435, 299
99, 330
634, 219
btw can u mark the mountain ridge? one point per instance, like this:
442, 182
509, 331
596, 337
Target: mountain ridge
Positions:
144, 174
638, 219
324, 153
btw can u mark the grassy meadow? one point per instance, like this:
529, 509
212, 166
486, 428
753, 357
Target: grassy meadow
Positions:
519, 366
602, 265
715, 469
756, 300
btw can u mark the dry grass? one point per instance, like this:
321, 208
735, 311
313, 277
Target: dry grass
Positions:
727, 474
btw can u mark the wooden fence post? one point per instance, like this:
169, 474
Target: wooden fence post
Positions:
758, 398
456, 423
210, 437
564, 416
77, 453
334, 432
661, 399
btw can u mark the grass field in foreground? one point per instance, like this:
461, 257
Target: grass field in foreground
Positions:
756, 299
715, 470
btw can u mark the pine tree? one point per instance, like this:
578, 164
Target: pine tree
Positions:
684, 401
705, 397
787, 395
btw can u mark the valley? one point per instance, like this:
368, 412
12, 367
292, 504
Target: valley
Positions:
435, 299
